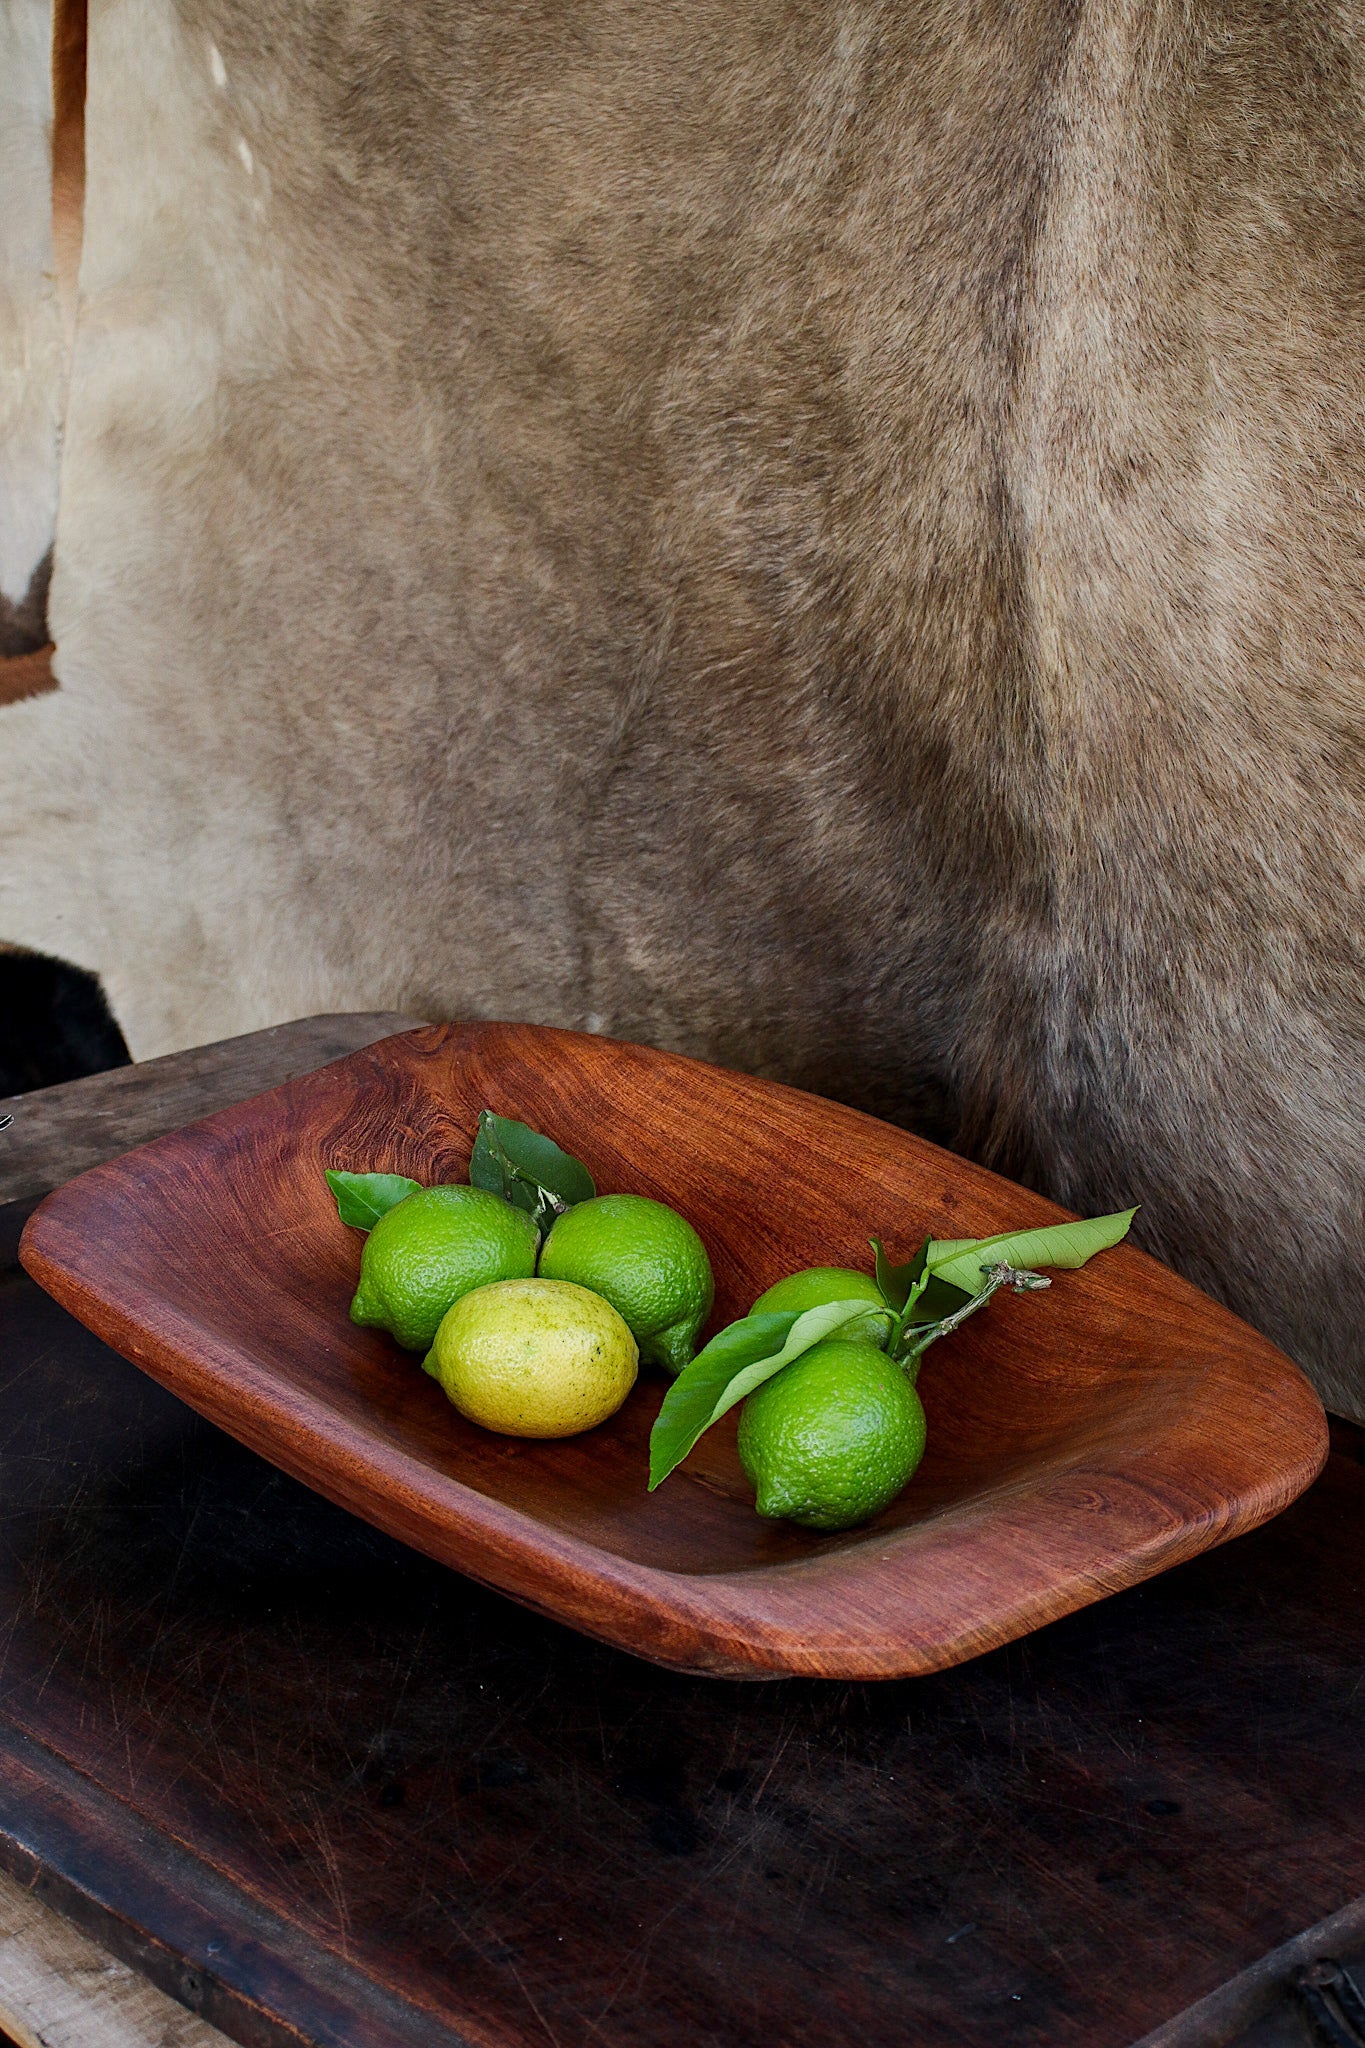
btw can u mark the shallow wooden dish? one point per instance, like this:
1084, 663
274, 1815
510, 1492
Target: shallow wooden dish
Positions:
1079, 1440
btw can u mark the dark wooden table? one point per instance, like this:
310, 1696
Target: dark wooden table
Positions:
326, 1792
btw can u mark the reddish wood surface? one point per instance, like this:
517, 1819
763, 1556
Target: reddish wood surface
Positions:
1078, 1442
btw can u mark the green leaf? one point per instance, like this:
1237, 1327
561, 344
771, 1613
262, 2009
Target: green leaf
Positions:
689, 1405
916, 1295
897, 1282
736, 1361
959, 1260
362, 1198
936, 1299
527, 1169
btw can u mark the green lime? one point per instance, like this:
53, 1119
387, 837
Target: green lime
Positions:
432, 1248
831, 1439
816, 1285
646, 1260
534, 1358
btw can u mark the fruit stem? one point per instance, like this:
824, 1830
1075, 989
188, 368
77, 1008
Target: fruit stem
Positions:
1017, 1279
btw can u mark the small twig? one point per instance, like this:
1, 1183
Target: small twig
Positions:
1019, 1281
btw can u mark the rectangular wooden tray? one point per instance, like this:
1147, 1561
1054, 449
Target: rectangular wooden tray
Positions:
1079, 1440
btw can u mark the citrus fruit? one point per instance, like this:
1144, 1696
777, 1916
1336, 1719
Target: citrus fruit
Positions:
816, 1285
646, 1260
430, 1249
833, 1437
534, 1358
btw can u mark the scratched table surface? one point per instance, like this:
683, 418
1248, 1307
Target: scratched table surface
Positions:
325, 1791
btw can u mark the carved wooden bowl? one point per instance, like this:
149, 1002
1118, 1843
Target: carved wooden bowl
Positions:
1079, 1440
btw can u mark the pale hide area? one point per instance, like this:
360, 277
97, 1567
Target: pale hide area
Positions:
31, 353
822, 537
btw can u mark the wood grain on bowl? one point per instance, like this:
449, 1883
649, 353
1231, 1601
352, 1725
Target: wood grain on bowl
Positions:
1079, 1440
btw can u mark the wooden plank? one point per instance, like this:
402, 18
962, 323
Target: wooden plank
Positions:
59, 1132
170, 1914
1261, 1998
60, 1989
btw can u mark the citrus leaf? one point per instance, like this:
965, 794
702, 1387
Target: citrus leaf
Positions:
689, 1402
736, 1361
897, 1282
915, 1294
809, 1329
936, 1299
362, 1198
527, 1169
959, 1260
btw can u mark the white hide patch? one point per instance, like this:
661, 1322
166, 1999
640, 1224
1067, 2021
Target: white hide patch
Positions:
30, 319
129, 837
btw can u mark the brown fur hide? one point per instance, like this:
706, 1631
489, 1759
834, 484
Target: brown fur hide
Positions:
827, 536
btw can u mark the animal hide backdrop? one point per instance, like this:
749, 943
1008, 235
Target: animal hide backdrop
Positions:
31, 354
823, 535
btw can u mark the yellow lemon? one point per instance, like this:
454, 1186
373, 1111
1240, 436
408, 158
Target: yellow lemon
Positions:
538, 1358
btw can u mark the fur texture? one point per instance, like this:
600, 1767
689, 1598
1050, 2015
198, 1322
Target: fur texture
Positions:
54, 1024
30, 328
826, 536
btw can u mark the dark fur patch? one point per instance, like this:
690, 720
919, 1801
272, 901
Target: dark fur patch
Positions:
23, 625
54, 1024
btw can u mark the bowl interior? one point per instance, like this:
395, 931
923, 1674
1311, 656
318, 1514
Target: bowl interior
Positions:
239, 1238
